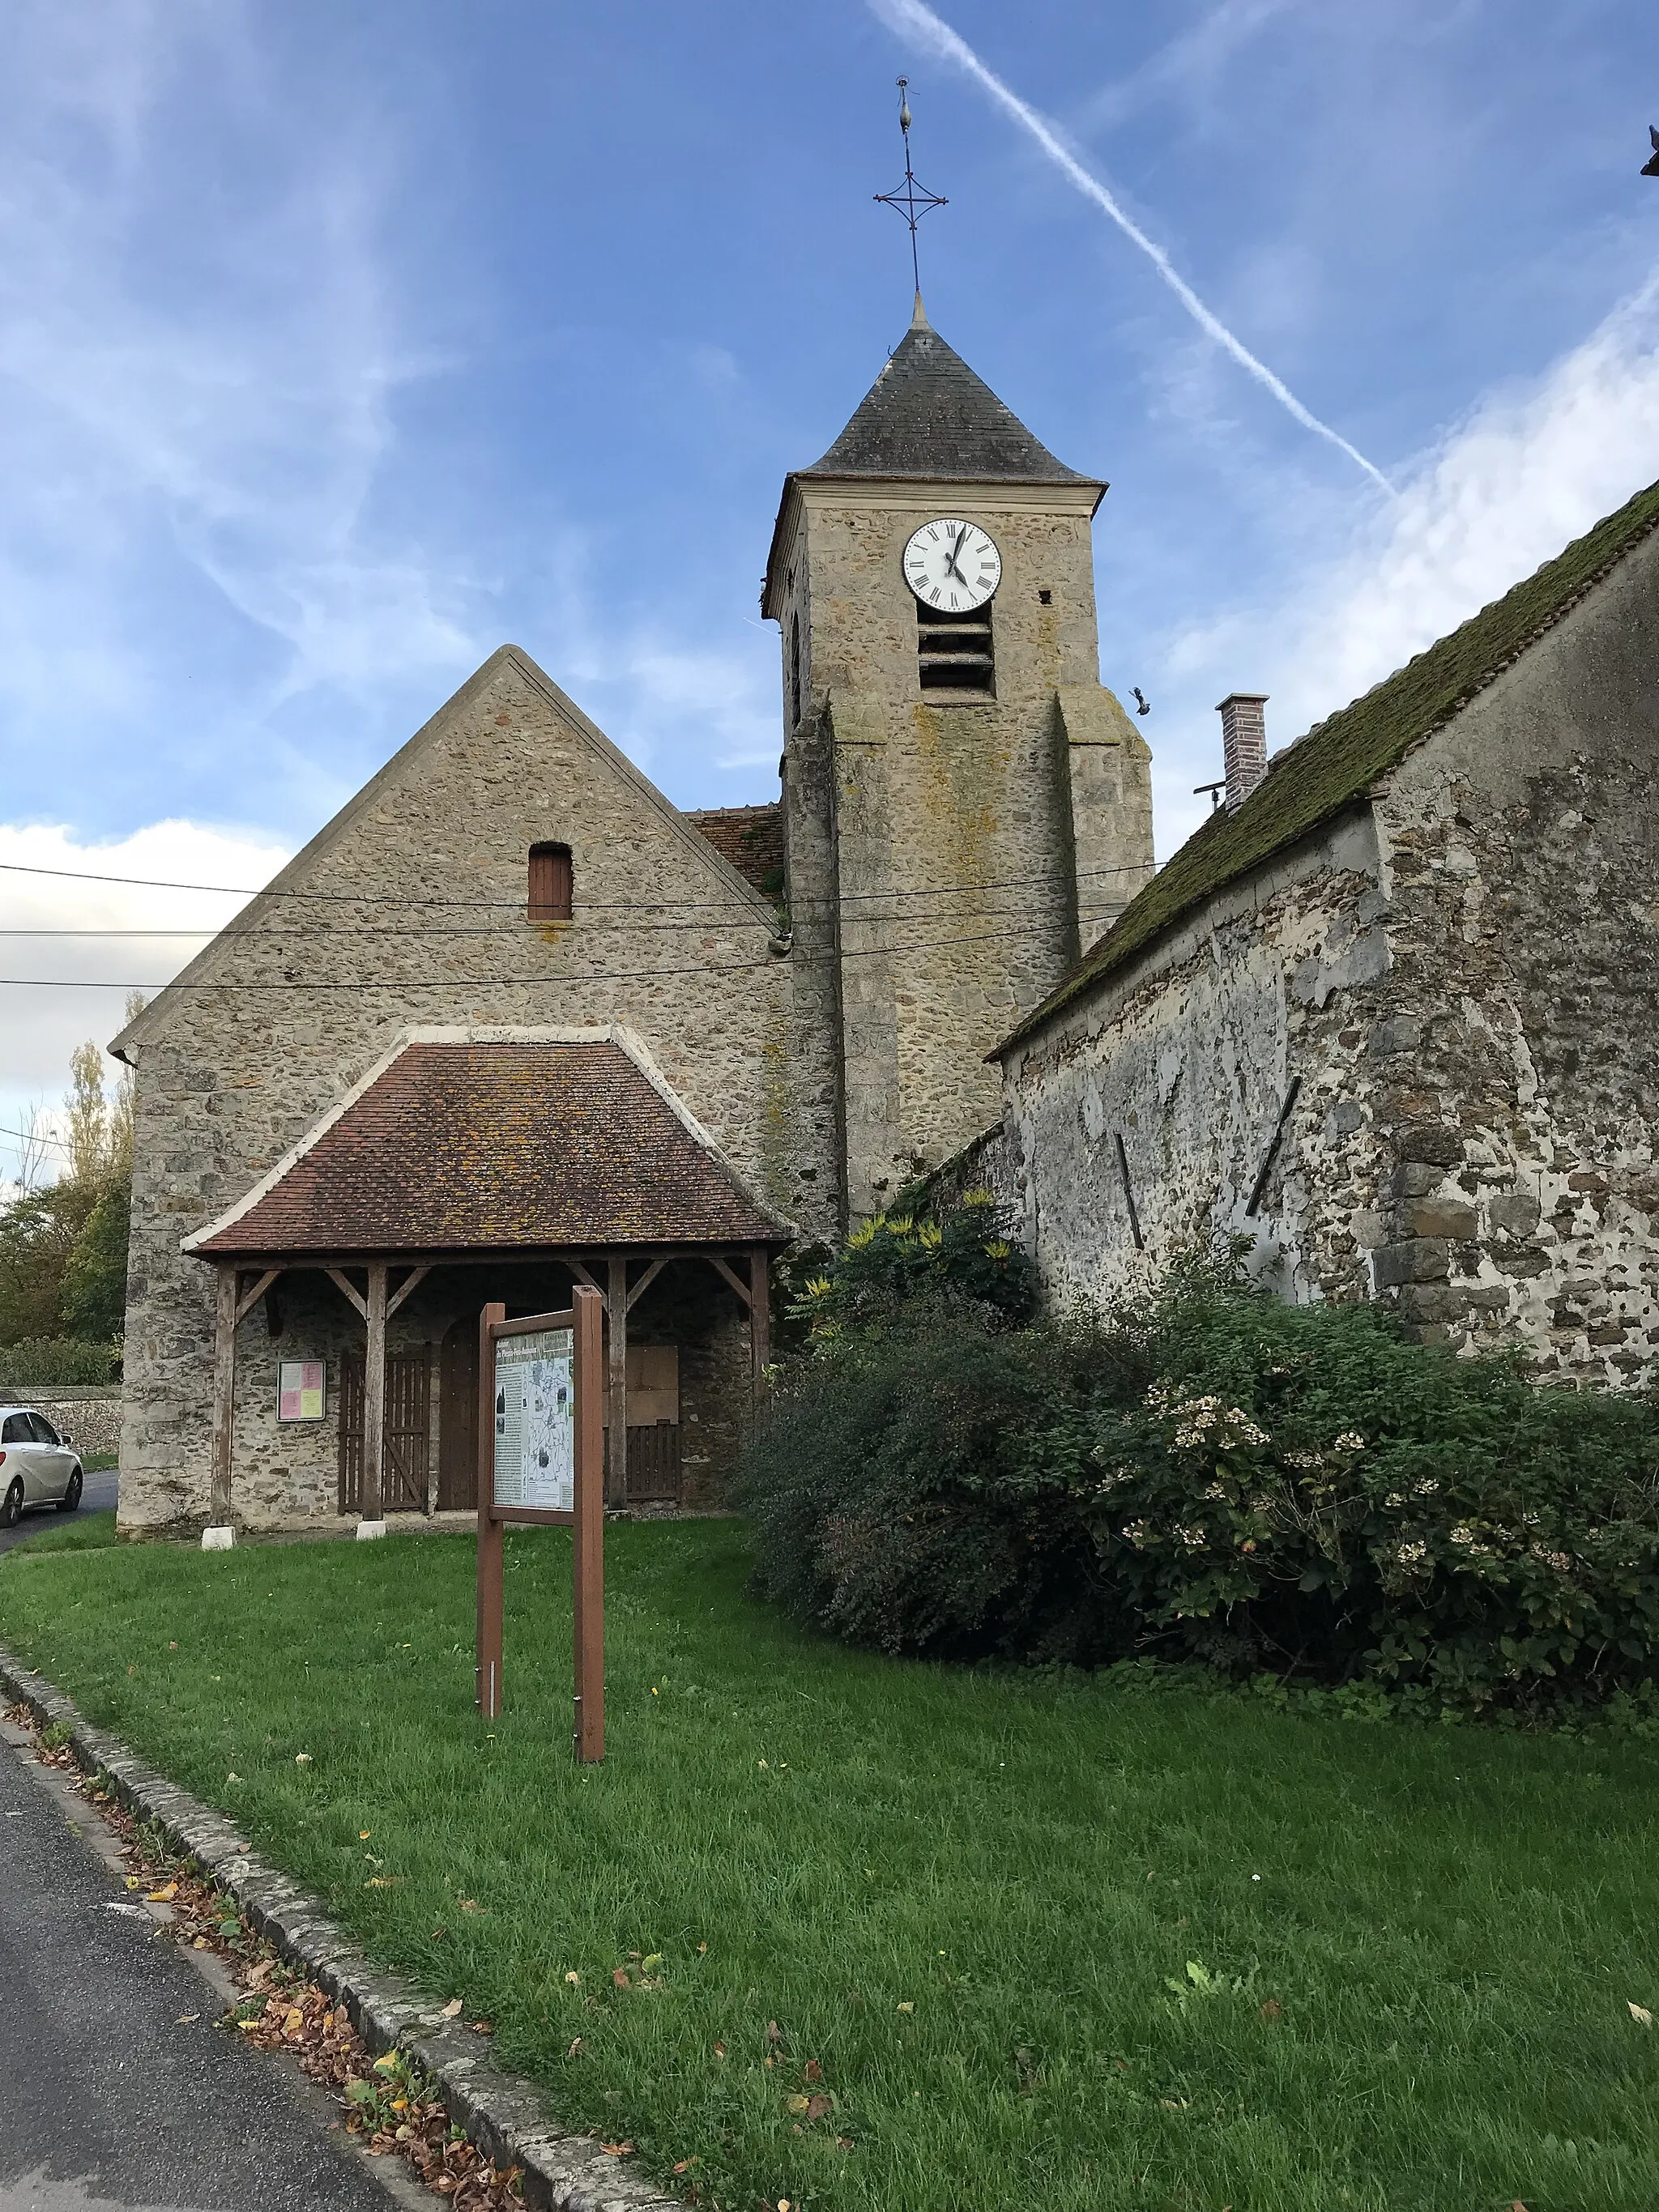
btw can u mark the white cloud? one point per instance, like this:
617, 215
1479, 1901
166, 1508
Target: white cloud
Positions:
198, 363
1529, 468
40, 1025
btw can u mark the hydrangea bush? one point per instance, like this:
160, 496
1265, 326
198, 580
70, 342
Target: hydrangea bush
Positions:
1294, 1491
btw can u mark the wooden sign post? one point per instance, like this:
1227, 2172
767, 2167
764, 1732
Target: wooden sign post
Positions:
541, 1459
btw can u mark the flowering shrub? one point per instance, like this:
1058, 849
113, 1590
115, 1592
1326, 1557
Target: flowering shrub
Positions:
1289, 1490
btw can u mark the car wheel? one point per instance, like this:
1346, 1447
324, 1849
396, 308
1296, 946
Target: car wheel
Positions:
71, 1496
11, 1505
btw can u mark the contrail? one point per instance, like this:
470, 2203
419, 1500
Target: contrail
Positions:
916, 17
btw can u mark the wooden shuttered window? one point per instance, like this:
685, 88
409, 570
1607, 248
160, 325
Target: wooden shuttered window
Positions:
955, 651
549, 883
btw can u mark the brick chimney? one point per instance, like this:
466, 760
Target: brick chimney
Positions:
1243, 744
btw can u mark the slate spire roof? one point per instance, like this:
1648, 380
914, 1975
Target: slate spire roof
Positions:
927, 414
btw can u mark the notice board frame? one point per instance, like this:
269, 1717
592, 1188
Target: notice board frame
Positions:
585, 1320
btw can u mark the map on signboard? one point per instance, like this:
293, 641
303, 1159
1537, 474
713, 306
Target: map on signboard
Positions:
301, 1392
535, 1420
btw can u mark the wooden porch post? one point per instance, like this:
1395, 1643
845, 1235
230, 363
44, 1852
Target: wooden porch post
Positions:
760, 1316
616, 1488
224, 1395
374, 1394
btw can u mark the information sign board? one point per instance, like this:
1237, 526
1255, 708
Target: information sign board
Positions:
535, 1455
301, 1390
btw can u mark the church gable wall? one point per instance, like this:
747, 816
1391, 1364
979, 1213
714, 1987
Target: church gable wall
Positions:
663, 939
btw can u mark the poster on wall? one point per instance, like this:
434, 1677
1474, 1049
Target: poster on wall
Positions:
536, 1421
301, 1390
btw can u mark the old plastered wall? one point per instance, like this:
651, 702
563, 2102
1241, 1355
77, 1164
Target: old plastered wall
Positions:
409, 910
1151, 1105
947, 855
1522, 850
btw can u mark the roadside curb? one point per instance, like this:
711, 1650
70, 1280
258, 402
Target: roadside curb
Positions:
500, 2111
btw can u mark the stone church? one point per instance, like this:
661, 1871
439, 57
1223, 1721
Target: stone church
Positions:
511, 1021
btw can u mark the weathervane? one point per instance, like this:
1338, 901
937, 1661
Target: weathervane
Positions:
912, 198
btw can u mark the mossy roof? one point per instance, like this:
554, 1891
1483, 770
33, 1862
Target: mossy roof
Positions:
1340, 758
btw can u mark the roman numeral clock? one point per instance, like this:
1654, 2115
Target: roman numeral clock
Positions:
953, 565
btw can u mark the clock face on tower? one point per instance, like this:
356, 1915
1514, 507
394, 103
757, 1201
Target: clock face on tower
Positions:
953, 565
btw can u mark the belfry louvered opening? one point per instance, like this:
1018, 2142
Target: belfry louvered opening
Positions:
954, 651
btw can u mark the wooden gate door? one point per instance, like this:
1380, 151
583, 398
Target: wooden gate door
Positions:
408, 1431
458, 1419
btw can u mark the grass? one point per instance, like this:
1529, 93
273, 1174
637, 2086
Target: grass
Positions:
966, 1897
99, 1462
74, 1532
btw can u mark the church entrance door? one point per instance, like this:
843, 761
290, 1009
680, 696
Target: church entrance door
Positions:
408, 1430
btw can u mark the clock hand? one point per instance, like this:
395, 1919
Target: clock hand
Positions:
950, 567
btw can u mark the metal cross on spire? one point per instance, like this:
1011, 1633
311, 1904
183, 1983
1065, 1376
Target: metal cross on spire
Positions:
912, 198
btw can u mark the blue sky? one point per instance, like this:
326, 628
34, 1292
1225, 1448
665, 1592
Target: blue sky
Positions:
339, 343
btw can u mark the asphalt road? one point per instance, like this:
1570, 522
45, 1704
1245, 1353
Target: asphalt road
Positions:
116, 2092
98, 1497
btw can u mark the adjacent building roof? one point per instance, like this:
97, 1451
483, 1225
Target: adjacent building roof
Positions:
1337, 760
751, 838
929, 416
498, 1145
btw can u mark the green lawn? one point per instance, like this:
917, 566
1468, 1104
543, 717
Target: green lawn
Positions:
965, 1898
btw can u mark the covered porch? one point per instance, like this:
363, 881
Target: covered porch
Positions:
466, 1169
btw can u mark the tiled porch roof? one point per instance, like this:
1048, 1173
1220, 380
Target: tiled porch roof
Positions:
498, 1145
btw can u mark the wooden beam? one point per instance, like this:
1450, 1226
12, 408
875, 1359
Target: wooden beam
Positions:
646, 1279
583, 1277
616, 1488
375, 1394
224, 1395
760, 1316
491, 1563
411, 1281
588, 1540
730, 1275
347, 1291
244, 1305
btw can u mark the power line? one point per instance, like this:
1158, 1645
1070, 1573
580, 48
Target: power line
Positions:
491, 983
628, 906
36, 1137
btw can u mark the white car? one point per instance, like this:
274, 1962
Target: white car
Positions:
37, 1466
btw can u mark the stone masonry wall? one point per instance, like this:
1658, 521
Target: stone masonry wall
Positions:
1523, 1090
1458, 978
410, 909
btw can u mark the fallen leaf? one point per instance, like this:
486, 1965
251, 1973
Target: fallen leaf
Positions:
906, 2005
132, 1881
1272, 2009
482, 2027
1173, 2103
172, 1647
843, 2142
817, 2106
294, 2021
186, 2018
574, 1979
719, 2051
470, 1905
574, 2048
619, 1978
796, 2103
363, 1834
303, 1758
452, 2009
1640, 2012
813, 2070
774, 2032
685, 2165
702, 1946
618, 2150
163, 1895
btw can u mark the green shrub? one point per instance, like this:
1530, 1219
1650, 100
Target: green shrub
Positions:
38, 1362
1266, 1488
898, 1258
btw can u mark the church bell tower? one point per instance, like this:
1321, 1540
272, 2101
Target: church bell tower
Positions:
966, 807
